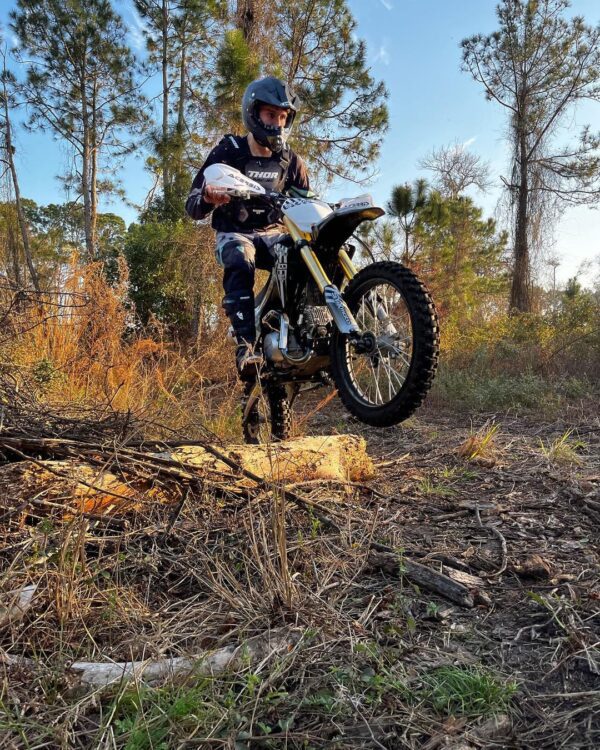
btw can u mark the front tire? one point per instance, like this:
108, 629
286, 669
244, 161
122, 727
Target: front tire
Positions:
386, 385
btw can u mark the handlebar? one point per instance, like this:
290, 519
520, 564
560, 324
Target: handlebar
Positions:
271, 195
278, 199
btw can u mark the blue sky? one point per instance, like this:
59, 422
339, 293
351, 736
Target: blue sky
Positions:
413, 45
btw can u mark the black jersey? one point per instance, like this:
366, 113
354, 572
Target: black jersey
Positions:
280, 171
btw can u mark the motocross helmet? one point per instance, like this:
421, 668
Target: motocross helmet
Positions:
273, 91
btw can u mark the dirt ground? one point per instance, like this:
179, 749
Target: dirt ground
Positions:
511, 501
538, 484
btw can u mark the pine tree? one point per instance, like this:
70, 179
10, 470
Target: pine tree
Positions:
536, 66
237, 66
344, 113
461, 257
180, 43
7, 152
81, 87
448, 243
410, 205
312, 45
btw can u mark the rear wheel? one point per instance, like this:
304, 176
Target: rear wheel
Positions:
386, 381
269, 416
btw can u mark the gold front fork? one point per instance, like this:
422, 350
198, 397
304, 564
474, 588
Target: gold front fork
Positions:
315, 268
311, 260
344, 320
347, 265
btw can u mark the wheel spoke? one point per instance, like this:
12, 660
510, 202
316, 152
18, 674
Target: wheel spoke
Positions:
377, 389
379, 383
391, 371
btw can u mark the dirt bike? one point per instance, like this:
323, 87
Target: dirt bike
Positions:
373, 333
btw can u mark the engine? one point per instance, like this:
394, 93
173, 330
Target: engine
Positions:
315, 328
308, 338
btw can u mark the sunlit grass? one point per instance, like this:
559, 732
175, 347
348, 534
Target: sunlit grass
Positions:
564, 449
481, 444
468, 691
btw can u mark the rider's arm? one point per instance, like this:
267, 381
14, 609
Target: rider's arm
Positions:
196, 205
297, 177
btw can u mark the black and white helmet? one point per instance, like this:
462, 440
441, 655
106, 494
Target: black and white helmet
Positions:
273, 91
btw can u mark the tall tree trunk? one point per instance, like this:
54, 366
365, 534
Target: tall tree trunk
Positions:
20, 213
165, 94
13, 251
94, 176
181, 104
520, 293
86, 163
246, 19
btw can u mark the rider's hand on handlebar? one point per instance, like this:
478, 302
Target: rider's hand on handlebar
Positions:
215, 195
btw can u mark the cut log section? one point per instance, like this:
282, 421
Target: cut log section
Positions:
94, 489
340, 457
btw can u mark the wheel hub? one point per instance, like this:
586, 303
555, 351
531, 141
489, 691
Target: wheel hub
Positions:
366, 344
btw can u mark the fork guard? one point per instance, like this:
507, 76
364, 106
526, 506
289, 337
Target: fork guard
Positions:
340, 311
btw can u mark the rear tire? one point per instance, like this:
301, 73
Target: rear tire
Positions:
387, 385
270, 418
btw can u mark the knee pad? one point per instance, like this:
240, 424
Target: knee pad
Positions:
236, 254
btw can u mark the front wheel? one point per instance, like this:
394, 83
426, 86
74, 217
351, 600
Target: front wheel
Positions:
384, 383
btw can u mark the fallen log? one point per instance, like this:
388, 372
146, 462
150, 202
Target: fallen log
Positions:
16, 603
474, 584
341, 457
337, 457
95, 489
260, 648
400, 566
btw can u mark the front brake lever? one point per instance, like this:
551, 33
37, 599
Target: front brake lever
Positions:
243, 195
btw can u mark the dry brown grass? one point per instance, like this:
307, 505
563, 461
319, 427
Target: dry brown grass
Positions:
481, 446
81, 348
380, 664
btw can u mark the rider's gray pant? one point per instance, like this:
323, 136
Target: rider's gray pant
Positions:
239, 255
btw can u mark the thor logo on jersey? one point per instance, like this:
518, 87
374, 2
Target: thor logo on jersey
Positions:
262, 175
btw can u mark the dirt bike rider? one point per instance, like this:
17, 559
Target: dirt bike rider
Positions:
247, 230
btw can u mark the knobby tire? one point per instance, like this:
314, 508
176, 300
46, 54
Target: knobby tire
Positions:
425, 346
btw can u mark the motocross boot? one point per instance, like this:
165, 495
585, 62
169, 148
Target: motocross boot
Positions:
248, 361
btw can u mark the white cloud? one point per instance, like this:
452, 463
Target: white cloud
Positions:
386, 4
468, 142
382, 55
136, 31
